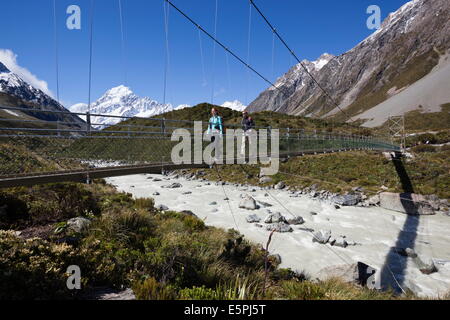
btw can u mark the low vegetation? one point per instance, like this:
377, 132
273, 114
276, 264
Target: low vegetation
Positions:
129, 243
429, 172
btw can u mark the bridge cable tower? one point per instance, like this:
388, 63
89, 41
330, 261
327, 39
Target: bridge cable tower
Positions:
396, 126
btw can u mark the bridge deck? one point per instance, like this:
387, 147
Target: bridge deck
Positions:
82, 176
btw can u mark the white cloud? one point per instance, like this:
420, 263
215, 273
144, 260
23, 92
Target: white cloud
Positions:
9, 59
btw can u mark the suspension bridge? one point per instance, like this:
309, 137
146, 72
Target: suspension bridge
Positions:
81, 151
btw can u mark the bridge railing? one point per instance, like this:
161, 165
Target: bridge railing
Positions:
62, 145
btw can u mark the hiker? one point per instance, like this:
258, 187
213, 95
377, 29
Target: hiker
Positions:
247, 125
215, 123
215, 129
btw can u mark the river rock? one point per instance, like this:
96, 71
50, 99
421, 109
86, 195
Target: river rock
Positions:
321, 236
408, 203
296, 220
248, 203
340, 242
253, 218
279, 227
162, 207
174, 185
357, 273
280, 185
274, 218
156, 193
264, 180
347, 200
264, 204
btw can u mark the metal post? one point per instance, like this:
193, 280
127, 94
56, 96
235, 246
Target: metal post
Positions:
163, 126
288, 141
88, 123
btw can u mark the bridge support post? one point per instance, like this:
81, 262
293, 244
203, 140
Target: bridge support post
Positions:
88, 123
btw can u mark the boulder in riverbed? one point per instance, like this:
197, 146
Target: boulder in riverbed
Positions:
358, 273
280, 185
253, 218
409, 203
279, 227
248, 203
297, 220
174, 185
321, 236
347, 200
275, 218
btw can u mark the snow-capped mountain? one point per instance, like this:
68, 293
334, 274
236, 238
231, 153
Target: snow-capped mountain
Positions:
412, 44
26, 96
234, 105
121, 101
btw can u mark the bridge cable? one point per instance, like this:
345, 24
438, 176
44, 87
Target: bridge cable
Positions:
55, 26
90, 54
167, 58
298, 60
249, 35
226, 196
227, 59
213, 81
223, 46
273, 55
202, 58
122, 33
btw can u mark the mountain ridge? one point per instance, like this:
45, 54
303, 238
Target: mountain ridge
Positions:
404, 50
17, 93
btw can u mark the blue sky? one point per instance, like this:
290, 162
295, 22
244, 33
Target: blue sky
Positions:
310, 28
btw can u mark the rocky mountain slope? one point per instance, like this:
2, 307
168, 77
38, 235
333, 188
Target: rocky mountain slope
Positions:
15, 92
410, 44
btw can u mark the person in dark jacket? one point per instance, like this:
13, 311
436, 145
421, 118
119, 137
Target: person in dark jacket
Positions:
247, 122
248, 125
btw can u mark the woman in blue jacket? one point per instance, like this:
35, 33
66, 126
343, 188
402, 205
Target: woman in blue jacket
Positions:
215, 128
215, 122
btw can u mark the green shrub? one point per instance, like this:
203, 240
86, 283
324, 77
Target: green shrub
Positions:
36, 269
150, 289
198, 293
144, 203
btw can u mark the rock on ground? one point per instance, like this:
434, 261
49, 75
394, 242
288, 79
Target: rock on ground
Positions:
253, 218
274, 218
78, 224
248, 203
265, 180
110, 294
296, 220
409, 203
173, 186
321, 236
347, 200
358, 273
280, 185
162, 207
279, 227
